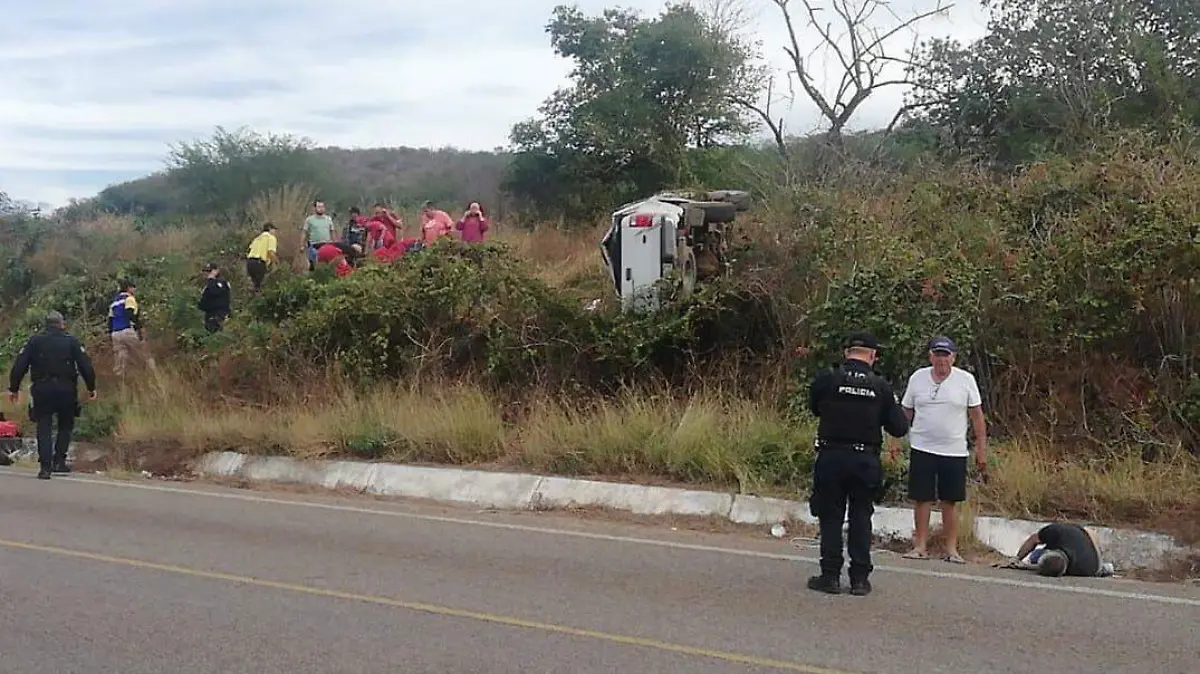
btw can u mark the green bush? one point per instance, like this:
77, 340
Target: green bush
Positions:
99, 420
478, 310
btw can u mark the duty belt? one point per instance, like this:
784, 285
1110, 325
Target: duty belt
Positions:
852, 446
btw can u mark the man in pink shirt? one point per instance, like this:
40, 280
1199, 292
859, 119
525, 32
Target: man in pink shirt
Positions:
435, 224
474, 224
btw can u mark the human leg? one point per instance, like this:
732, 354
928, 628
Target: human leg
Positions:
864, 482
214, 322
120, 355
62, 443
256, 269
922, 490
831, 509
952, 490
44, 419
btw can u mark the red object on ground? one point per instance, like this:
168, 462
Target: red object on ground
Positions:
395, 251
9, 430
343, 268
328, 253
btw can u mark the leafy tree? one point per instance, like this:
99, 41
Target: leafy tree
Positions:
1052, 74
220, 175
647, 94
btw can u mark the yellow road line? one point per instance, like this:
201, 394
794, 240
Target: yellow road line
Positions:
430, 608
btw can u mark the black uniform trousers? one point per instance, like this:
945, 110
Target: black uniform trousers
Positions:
53, 399
215, 321
844, 478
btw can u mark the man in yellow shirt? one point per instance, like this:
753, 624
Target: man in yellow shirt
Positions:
264, 252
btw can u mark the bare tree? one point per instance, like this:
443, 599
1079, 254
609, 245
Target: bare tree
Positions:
857, 44
734, 21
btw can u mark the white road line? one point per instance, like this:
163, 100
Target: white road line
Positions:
1011, 582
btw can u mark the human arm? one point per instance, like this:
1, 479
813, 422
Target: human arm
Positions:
909, 401
83, 364
207, 296
894, 420
819, 388
1027, 547
978, 425
21, 367
135, 316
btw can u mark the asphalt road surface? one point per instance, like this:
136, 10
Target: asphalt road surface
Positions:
133, 577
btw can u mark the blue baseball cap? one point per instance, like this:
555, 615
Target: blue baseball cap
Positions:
942, 344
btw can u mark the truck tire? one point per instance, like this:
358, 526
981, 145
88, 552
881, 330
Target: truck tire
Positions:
717, 212
685, 264
739, 198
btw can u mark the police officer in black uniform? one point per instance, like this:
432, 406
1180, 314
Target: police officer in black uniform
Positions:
56, 360
852, 402
216, 299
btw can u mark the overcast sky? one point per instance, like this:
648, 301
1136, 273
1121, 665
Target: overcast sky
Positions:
94, 91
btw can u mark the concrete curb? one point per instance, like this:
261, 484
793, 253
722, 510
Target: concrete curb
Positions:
1127, 549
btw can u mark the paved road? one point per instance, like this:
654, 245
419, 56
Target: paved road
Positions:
147, 577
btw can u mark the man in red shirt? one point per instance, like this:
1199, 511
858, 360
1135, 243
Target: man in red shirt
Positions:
390, 221
333, 254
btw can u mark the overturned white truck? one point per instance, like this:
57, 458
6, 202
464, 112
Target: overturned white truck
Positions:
669, 236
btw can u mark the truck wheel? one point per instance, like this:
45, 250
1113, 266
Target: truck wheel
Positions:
716, 212
685, 263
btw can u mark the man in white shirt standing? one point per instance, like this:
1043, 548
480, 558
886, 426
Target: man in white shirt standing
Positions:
938, 401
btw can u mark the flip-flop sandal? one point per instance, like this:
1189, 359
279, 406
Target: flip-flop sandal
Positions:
954, 559
916, 555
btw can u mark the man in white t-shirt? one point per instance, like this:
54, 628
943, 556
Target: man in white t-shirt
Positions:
938, 401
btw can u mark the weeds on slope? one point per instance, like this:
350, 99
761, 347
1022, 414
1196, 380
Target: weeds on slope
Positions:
708, 440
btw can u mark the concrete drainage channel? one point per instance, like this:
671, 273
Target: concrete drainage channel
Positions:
1126, 549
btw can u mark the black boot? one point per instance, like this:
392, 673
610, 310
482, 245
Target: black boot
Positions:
860, 587
826, 584
44, 473
61, 467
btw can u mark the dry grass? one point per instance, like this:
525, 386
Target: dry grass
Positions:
562, 259
708, 441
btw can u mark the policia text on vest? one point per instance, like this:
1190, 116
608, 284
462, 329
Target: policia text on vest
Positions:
852, 403
55, 361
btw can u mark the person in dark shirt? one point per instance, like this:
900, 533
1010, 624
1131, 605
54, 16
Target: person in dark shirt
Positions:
1069, 550
852, 403
55, 361
216, 299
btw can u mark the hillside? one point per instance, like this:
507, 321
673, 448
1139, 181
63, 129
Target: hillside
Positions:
402, 176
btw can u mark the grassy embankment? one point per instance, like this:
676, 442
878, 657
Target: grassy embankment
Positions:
943, 244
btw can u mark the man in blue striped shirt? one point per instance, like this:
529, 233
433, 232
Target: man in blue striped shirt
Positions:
126, 329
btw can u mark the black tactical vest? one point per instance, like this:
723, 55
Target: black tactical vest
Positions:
852, 409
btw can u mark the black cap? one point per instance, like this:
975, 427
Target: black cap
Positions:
862, 340
211, 266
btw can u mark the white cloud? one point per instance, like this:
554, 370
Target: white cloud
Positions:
107, 97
